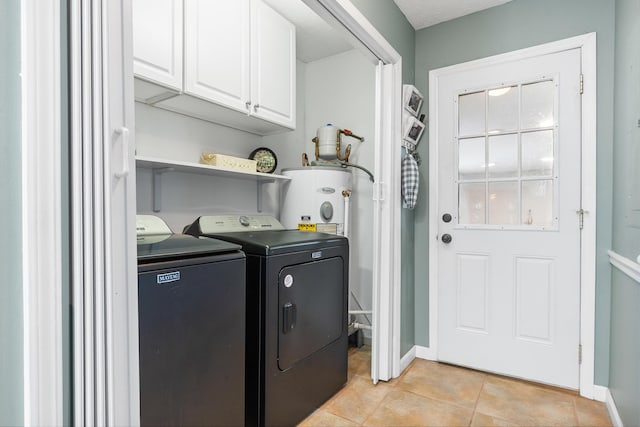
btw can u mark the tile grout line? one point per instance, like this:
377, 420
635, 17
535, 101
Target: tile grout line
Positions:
384, 397
475, 406
575, 411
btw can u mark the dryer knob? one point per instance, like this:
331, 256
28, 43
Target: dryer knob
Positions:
244, 221
326, 211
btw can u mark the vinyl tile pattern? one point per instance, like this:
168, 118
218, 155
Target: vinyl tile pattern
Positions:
436, 394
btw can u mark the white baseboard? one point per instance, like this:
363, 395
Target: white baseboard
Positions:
407, 358
613, 410
426, 353
600, 393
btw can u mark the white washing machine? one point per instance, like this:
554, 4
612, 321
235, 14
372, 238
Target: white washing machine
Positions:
314, 199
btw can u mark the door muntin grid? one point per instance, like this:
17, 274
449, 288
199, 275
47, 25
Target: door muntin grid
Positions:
506, 156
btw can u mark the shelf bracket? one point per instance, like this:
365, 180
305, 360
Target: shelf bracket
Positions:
259, 195
156, 182
260, 184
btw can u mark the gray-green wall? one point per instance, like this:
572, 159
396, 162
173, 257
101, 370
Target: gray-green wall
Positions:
11, 384
393, 25
512, 26
624, 371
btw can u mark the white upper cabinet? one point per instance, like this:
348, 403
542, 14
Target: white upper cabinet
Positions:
157, 41
273, 65
217, 51
239, 61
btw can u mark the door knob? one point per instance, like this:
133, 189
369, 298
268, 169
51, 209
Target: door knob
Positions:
446, 217
446, 238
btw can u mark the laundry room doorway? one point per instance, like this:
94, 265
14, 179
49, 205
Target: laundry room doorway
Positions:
510, 235
105, 340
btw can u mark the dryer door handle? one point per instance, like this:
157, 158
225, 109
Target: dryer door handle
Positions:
289, 314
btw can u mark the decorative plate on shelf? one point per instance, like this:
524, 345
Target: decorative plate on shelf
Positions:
266, 159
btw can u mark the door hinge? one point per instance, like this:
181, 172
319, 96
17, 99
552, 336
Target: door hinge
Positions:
581, 213
579, 354
581, 84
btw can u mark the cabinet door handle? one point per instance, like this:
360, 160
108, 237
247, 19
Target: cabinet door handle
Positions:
248, 105
255, 108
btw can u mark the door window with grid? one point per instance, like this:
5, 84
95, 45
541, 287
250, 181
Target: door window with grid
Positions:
506, 156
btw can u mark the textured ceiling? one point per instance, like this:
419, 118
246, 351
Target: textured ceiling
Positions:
315, 39
424, 13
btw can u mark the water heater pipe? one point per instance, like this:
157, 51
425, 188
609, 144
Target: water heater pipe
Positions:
347, 201
360, 312
361, 326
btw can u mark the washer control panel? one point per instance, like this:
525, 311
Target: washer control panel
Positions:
212, 224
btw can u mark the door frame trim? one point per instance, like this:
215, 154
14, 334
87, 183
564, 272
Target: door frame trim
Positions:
587, 45
42, 213
347, 19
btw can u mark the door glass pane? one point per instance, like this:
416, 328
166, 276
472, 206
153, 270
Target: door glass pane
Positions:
503, 156
537, 153
502, 109
537, 202
537, 105
471, 204
503, 203
471, 159
471, 114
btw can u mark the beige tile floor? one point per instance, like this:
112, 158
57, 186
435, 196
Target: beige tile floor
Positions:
436, 394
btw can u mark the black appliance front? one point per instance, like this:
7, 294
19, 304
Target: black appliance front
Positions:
296, 323
296, 336
305, 333
192, 349
310, 315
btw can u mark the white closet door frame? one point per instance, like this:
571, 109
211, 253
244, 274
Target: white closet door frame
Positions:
41, 212
354, 26
103, 251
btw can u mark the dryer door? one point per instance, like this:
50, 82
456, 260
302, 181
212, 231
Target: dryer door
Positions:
311, 299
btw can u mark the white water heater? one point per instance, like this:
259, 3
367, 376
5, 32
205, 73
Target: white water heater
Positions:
316, 199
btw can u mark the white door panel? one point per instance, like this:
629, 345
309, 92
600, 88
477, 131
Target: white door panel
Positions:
509, 176
157, 41
273, 62
217, 43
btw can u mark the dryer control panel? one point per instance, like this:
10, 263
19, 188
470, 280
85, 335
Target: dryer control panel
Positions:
212, 224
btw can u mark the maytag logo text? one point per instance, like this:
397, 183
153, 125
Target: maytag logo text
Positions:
174, 276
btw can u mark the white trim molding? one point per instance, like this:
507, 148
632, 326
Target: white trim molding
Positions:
409, 357
587, 44
426, 353
613, 410
624, 264
600, 393
41, 212
352, 24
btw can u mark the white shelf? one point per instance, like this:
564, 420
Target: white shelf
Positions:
162, 165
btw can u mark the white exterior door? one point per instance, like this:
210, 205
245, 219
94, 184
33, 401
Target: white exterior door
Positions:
509, 187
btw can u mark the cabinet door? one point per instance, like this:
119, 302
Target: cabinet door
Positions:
157, 41
217, 51
273, 68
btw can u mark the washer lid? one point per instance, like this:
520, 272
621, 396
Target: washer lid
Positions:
174, 246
